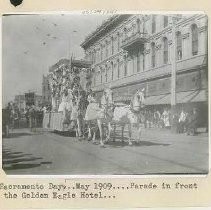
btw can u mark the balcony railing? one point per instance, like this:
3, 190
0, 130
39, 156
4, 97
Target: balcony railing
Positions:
134, 41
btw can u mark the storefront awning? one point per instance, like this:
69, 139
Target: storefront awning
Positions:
181, 97
192, 96
161, 99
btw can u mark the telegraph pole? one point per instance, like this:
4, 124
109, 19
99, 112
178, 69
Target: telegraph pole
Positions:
173, 74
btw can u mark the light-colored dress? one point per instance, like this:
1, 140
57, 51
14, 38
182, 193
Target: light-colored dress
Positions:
93, 109
65, 104
74, 113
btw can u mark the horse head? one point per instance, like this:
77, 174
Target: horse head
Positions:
107, 98
138, 100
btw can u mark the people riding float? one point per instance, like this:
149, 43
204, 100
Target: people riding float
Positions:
91, 114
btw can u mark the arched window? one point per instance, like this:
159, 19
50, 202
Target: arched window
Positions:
112, 70
118, 42
138, 25
106, 45
179, 45
118, 69
153, 54
194, 32
101, 76
153, 24
125, 65
112, 45
165, 21
165, 50
138, 61
106, 73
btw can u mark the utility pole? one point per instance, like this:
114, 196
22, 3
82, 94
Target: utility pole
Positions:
173, 74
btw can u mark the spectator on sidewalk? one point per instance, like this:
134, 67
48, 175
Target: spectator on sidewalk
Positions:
182, 121
166, 118
192, 122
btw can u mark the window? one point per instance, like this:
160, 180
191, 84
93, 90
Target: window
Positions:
101, 52
194, 31
125, 65
165, 21
153, 54
179, 45
106, 49
101, 76
118, 42
94, 80
165, 50
94, 56
143, 61
112, 45
138, 25
106, 73
153, 24
118, 69
138, 61
112, 71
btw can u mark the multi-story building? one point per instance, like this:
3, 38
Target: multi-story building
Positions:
46, 91
20, 102
38, 100
29, 98
129, 52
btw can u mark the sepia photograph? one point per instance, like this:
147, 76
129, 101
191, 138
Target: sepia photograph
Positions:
105, 94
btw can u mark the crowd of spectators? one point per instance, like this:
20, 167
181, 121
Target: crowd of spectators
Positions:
182, 121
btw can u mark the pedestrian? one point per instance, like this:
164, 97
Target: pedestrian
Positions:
32, 118
157, 116
182, 121
166, 118
192, 122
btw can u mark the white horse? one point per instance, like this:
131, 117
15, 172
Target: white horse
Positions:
130, 115
125, 115
109, 114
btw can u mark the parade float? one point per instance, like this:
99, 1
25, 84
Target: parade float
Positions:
66, 79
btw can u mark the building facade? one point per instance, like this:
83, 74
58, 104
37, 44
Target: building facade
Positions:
129, 52
46, 91
20, 102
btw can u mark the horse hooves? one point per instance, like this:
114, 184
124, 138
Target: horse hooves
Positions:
102, 144
107, 140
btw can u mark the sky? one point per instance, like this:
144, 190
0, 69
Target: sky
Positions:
33, 43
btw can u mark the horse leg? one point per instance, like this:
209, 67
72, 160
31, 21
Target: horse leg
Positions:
114, 138
109, 132
130, 133
101, 132
93, 138
89, 131
79, 127
82, 128
76, 128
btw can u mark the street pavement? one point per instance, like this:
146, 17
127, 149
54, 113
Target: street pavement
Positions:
159, 152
